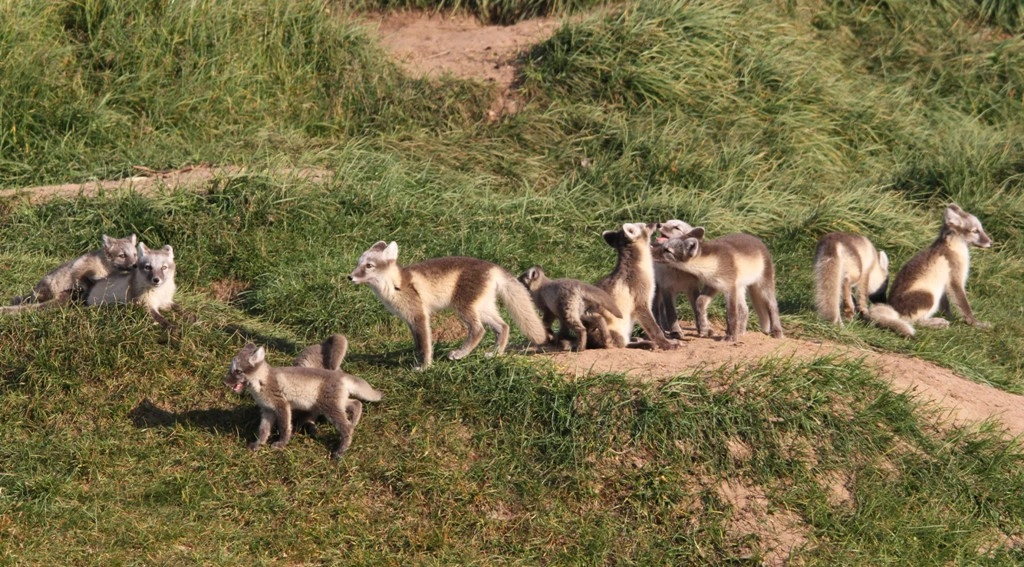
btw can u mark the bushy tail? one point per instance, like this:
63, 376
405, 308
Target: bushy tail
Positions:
362, 390
885, 316
328, 354
828, 283
517, 300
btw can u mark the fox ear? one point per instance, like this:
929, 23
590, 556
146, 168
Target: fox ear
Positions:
391, 252
954, 216
134, 239
610, 236
883, 260
106, 241
533, 273
258, 357
379, 246
697, 233
169, 251
691, 246
143, 249
632, 230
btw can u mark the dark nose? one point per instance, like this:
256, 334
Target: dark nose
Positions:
350, 277
156, 281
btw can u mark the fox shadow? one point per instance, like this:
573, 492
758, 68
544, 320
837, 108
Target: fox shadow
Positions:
240, 421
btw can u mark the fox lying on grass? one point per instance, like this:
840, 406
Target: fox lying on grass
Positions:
118, 256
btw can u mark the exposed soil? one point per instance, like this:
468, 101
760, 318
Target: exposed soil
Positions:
435, 45
964, 400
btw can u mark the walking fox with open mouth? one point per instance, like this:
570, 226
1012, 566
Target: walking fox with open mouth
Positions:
279, 391
469, 285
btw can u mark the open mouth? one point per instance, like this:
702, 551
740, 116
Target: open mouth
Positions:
237, 388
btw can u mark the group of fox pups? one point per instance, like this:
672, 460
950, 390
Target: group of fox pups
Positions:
642, 288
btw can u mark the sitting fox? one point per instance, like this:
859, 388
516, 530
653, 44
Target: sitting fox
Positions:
78, 276
732, 265
843, 261
470, 285
279, 391
934, 277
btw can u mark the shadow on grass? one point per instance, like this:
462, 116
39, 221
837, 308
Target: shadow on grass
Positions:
234, 421
240, 421
275, 343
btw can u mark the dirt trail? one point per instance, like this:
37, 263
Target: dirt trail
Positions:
966, 401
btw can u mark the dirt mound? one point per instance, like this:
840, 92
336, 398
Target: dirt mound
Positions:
965, 401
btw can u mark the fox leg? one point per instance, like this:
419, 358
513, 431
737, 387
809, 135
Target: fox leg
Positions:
958, 296
474, 333
421, 339
337, 416
493, 319
284, 423
267, 418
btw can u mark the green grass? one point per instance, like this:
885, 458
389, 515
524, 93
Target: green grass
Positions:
785, 120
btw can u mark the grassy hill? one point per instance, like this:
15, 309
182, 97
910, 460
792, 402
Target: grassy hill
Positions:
786, 120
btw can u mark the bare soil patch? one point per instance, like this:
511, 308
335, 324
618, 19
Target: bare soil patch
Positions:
149, 181
963, 400
434, 45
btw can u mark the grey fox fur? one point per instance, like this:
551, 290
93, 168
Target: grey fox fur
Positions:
469, 285
732, 265
631, 283
279, 391
151, 284
576, 305
671, 281
843, 261
935, 277
117, 256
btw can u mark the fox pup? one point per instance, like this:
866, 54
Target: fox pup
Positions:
670, 282
843, 261
151, 284
731, 265
469, 285
117, 256
934, 277
576, 305
631, 283
278, 391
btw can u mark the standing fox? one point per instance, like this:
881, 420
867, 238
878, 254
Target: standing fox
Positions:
730, 264
933, 277
470, 285
117, 256
278, 391
842, 261
631, 283
151, 284
576, 305
671, 281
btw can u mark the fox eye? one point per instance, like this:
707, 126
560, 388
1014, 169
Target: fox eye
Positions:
370, 266
121, 255
974, 231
